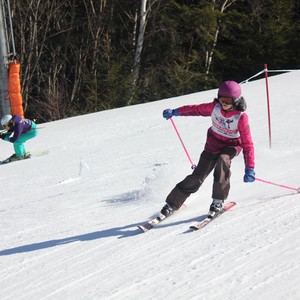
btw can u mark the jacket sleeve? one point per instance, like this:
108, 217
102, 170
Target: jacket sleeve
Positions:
17, 129
247, 143
17, 132
21, 126
204, 109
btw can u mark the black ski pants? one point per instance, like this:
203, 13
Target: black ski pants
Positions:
220, 162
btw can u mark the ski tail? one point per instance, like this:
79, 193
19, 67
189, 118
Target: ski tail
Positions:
150, 224
155, 221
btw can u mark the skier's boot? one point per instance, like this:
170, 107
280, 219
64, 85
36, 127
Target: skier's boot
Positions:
167, 210
216, 207
27, 155
14, 157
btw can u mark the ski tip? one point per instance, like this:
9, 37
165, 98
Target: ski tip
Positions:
230, 205
142, 228
145, 227
193, 228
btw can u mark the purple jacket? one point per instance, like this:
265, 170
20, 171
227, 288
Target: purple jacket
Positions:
21, 126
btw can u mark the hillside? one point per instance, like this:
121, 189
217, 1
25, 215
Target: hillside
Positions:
68, 218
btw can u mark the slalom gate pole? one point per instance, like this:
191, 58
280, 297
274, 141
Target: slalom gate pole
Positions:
193, 166
268, 103
280, 185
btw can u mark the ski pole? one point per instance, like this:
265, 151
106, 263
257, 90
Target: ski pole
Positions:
280, 185
193, 166
6, 131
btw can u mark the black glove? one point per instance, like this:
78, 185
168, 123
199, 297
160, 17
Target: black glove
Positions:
3, 135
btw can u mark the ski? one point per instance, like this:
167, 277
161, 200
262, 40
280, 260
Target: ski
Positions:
208, 219
6, 161
150, 224
29, 155
155, 221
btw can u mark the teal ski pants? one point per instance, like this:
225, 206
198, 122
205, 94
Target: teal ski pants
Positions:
24, 137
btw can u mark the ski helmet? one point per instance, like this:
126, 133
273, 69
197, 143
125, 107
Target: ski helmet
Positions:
5, 119
230, 89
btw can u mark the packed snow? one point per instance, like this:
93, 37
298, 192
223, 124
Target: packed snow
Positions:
69, 215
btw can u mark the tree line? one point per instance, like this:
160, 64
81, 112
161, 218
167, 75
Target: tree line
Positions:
83, 56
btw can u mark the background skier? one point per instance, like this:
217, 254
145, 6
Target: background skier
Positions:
21, 130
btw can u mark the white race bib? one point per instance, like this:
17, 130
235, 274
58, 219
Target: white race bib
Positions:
227, 127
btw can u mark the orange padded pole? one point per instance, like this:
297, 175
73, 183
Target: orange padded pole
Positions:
14, 88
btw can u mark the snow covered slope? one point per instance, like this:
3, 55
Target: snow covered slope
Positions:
68, 218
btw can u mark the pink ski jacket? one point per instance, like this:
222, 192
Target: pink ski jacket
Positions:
229, 128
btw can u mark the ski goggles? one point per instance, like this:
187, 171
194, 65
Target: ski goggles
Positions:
226, 100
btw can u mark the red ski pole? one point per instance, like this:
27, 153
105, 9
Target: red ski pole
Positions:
185, 150
280, 185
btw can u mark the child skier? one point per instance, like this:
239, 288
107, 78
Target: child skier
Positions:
22, 130
228, 135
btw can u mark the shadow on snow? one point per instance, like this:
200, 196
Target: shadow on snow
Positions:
120, 232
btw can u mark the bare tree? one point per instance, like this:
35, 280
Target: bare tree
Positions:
209, 55
144, 11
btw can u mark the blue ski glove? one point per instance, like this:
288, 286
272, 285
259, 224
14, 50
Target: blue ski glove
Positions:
169, 113
249, 175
